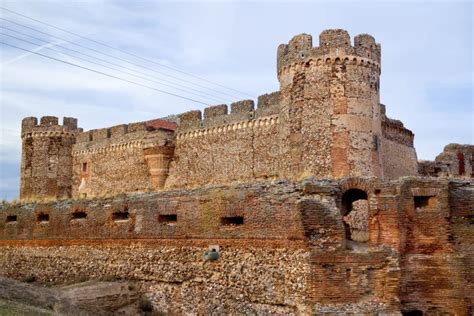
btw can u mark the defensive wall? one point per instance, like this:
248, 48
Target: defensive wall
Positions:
325, 121
284, 246
113, 160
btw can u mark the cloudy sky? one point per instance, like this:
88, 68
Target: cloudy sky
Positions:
427, 63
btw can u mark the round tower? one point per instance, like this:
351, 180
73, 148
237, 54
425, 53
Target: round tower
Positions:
46, 161
331, 104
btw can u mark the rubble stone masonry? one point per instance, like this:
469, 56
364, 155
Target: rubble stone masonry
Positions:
289, 252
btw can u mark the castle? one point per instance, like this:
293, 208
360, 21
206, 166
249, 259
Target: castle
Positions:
314, 200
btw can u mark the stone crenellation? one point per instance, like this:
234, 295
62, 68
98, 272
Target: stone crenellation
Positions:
334, 47
218, 115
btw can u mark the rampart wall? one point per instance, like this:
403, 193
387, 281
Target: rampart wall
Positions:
283, 246
223, 147
398, 152
111, 160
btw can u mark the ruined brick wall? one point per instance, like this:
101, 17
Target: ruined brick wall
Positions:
283, 246
330, 96
456, 160
433, 271
224, 148
46, 161
109, 161
398, 152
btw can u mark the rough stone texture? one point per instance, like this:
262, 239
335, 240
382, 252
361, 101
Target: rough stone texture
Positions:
112, 160
325, 121
85, 298
455, 161
46, 157
249, 184
289, 254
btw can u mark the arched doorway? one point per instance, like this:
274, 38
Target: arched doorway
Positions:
355, 214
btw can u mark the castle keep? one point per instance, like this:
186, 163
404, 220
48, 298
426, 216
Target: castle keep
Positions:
313, 199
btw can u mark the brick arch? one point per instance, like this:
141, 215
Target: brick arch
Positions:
352, 190
355, 183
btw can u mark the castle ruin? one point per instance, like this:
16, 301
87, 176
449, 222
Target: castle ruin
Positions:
314, 199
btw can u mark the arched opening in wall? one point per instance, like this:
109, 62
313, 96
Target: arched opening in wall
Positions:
355, 212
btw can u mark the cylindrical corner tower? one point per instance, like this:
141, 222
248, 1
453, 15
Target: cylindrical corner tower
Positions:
46, 161
330, 97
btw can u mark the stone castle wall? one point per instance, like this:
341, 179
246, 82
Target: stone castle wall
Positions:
225, 148
112, 160
288, 253
326, 121
398, 153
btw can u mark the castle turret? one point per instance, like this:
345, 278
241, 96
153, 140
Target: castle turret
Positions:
330, 94
46, 162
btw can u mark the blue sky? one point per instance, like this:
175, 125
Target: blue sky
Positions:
427, 63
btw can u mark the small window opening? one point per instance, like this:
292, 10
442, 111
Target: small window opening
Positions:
84, 167
424, 201
90, 137
232, 221
109, 133
11, 218
43, 218
79, 215
167, 218
120, 216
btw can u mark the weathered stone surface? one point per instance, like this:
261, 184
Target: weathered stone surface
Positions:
292, 251
309, 203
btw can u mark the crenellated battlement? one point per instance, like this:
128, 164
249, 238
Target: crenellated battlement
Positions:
49, 126
395, 131
334, 47
119, 131
219, 115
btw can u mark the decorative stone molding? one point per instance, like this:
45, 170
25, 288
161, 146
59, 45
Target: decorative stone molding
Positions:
158, 160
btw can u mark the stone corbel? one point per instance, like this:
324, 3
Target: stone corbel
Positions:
158, 160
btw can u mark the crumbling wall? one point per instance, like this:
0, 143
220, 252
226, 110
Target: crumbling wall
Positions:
283, 246
433, 273
456, 160
109, 161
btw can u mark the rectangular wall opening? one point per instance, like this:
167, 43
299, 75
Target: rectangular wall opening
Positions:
11, 219
232, 220
84, 167
424, 202
120, 216
79, 215
167, 218
43, 218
